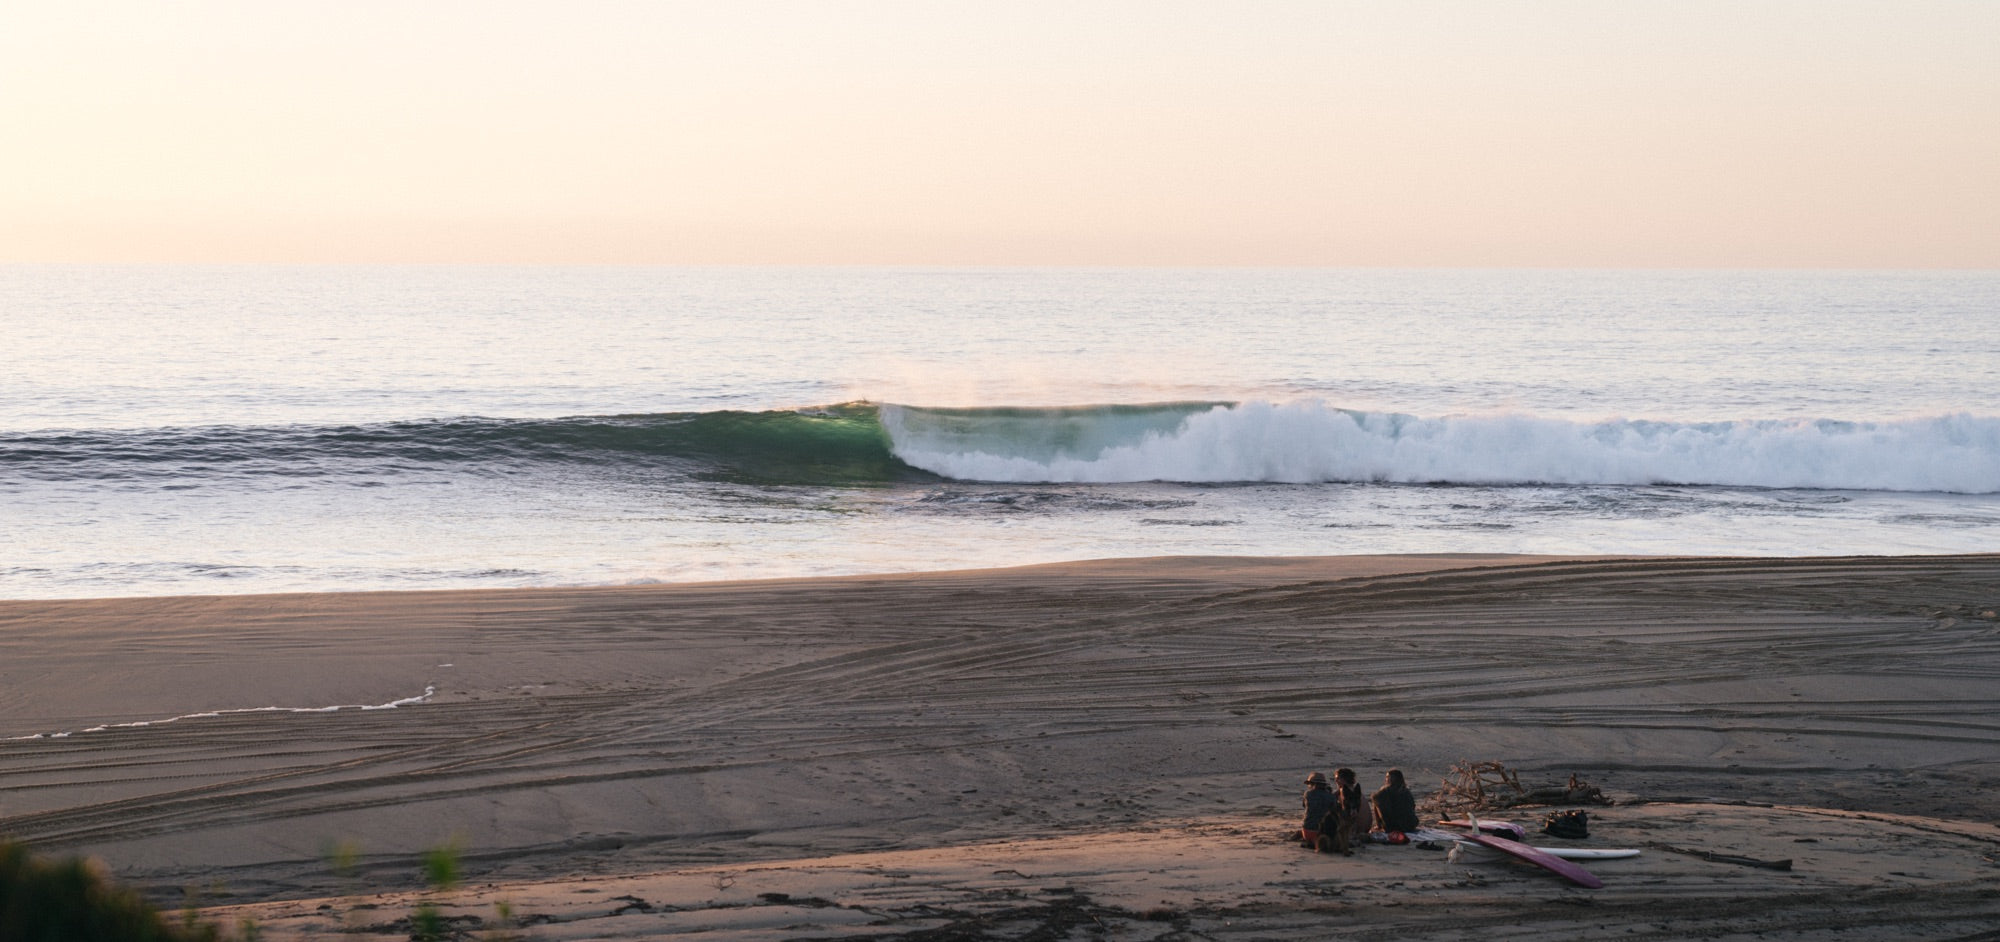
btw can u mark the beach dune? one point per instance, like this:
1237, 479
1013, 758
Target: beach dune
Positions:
1116, 743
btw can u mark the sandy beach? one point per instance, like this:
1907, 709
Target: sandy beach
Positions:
1085, 750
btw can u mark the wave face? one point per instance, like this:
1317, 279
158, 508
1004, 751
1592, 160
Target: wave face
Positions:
836, 445
1311, 442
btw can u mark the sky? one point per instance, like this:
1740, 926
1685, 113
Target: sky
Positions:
1499, 133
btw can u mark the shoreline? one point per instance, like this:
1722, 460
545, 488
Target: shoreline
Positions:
913, 720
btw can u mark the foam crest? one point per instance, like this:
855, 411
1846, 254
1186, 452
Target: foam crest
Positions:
429, 692
1313, 442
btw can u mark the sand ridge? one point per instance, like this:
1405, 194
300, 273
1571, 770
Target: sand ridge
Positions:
1233, 876
617, 732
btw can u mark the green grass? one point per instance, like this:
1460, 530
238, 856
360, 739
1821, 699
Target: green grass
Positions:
72, 901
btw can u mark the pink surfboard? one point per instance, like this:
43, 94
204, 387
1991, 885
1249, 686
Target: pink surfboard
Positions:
1536, 856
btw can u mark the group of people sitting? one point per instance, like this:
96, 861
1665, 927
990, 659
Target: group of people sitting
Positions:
1337, 818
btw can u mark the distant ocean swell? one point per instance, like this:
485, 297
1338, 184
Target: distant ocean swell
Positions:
865, 444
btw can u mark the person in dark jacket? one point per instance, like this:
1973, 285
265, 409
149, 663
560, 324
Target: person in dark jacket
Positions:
1321, 806
1395, 807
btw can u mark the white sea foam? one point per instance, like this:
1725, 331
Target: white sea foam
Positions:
429, 691
1313, 442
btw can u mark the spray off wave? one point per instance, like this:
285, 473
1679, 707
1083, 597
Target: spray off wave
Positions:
1312, 442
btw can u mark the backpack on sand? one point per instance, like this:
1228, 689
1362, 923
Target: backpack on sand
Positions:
1574, 823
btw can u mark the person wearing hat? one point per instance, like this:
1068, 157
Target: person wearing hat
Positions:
1321, 804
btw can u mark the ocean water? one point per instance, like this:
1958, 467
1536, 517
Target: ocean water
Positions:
199, 430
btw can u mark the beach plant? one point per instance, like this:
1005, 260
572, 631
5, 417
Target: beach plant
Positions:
190, 907
191, 899
441, 866
428, 924
58, 901
343, 859
504, 923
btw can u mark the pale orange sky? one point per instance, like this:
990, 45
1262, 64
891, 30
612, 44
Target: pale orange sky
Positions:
1491, 133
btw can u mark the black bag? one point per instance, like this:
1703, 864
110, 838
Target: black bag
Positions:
1572, 824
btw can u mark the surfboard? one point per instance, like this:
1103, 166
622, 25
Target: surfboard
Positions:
1502, 828
1573, 853
1432, 836
1536, 856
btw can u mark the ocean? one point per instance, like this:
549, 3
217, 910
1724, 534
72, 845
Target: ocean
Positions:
176, 430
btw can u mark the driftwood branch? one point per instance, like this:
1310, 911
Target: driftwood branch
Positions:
1485, 786
1785, 864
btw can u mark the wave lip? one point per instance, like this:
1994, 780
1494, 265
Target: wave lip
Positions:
1313, 442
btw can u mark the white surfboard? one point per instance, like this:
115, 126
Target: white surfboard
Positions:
1566, 853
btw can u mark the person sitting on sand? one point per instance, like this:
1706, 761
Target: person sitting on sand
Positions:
1321, 804
1353, 811
1395, 807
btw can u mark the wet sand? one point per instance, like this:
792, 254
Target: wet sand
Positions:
1088, 750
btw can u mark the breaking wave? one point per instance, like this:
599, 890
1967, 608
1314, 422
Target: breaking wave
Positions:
1311, 442
864, 444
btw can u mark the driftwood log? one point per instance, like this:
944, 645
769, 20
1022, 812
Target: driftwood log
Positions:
1485, 786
